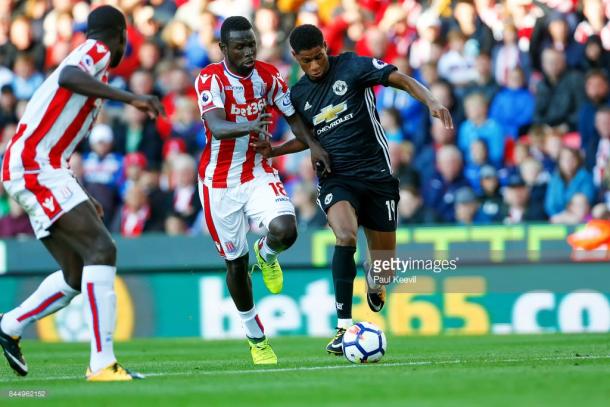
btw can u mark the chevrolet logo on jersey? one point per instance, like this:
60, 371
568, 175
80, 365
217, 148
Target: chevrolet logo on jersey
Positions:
329, 113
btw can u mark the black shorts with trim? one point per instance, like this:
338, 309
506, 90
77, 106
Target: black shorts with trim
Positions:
375, 202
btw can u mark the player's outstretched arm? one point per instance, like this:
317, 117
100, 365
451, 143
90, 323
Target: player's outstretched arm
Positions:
319, 156
79, 81
291, 146
216, 121
420, 92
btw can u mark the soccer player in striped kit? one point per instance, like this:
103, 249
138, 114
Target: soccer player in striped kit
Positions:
64, 217
238, 185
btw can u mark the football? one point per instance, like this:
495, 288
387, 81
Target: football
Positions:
364, 342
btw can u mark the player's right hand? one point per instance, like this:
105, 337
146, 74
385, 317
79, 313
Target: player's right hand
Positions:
261, 123
149, 104
320, 160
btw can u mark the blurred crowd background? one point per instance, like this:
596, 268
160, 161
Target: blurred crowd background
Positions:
526, 83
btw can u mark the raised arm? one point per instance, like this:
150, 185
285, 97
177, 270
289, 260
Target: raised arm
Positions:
420, 92
78, 81
222, 129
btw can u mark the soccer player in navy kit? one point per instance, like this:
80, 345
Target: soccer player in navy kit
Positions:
335, 98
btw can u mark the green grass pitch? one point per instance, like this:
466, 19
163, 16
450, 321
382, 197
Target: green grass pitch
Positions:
553, 370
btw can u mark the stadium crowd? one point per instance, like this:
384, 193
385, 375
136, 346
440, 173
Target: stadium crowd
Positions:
526, 83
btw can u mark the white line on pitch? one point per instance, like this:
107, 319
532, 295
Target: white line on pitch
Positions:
330, 367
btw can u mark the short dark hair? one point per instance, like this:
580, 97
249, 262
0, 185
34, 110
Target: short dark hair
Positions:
306, 37
104, 20
596, 72
233, 23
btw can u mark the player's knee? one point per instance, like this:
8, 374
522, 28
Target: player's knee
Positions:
346, 236
284, 231
103, 252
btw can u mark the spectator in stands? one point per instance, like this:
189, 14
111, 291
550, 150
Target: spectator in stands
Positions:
479, 35
439, 192
8, 102
137, 133
536, 137
491, 208
175, 225
401, 159
560, 94
569, 179
536, 178
200, 41
135, 164
478, 158
513, 107
16, 223
187, 125
422, 49
425, 160
596, 56
484, 82
553, 142
443, 92
578, 211
519, 205
22, 42
597, 90
308, 212
26, 79
183, 181
467, 207
457, 65
102, 170
411, 208
392, 123
479, 127
553, 32
602, 155
594, 24
133, 217
149, 55
509, 56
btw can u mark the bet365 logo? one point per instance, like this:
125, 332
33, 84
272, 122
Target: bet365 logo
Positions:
329, 113
249, 109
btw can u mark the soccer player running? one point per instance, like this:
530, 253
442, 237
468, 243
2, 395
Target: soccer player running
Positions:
35, 173
237, 185
335, 97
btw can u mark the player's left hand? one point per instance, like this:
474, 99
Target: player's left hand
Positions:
263, 147
441, 112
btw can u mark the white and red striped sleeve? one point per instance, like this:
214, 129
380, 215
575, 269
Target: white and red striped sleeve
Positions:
280, 96
93, 58
209, 93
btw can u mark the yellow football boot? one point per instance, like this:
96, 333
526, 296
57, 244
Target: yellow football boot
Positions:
112, 373
262, 354
272, 272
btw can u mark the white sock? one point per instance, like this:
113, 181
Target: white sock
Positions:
252, 324
98, 289
51, 295
344, 323
267, 253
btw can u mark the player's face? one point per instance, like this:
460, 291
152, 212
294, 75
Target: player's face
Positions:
118, 49
314, 62
240, 51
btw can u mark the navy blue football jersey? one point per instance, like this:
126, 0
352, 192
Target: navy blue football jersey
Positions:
340, 108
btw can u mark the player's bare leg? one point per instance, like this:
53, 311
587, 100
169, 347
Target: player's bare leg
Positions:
82, 231
54, 293
382, 246
343, 221
240, 288
282, 234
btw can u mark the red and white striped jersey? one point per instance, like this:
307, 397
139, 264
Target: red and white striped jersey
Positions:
55, 119
227, 163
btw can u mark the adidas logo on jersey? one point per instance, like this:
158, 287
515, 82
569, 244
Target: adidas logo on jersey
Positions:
307, 105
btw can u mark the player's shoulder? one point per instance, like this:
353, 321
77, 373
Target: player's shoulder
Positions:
212, 69
265, 69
